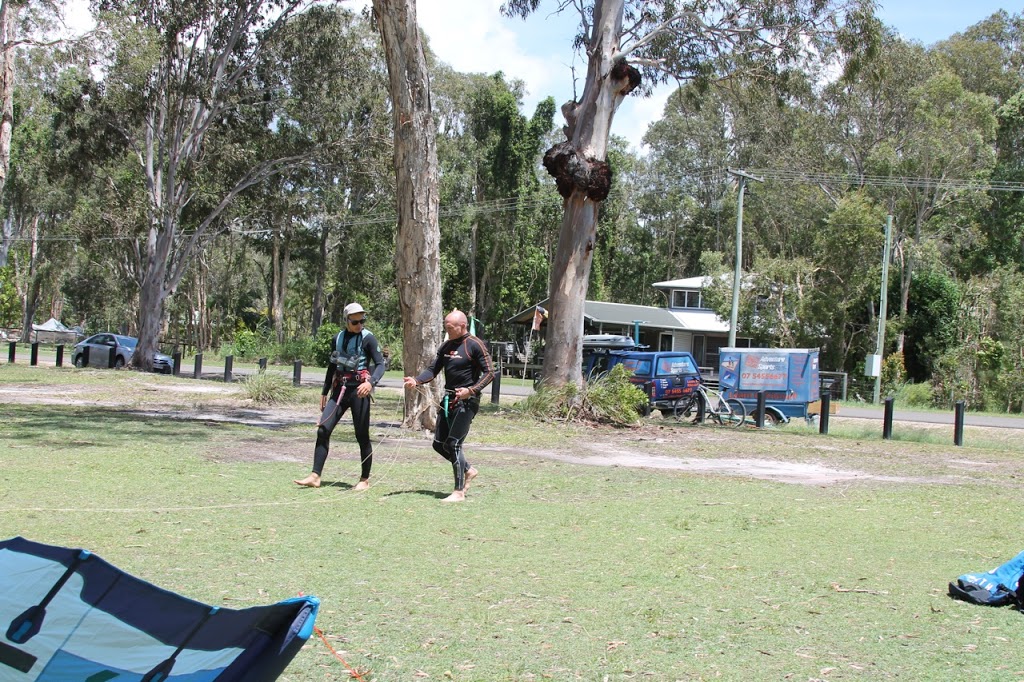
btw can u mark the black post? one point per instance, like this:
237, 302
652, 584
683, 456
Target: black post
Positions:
887, 420
826, 405
228, 362
263, 364
958, 424
34, 354
297, 373
60, 355
111, 357
10, 352
759, 419
177, 363
197, 373
496, 384
85, 356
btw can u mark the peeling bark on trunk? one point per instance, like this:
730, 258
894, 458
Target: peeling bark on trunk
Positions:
583, 178
8, 36
417, 260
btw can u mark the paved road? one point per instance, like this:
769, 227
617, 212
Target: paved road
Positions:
871, 412
314, 376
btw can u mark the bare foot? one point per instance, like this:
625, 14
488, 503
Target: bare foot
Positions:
471, 473
363, 484
457, 496
311, 481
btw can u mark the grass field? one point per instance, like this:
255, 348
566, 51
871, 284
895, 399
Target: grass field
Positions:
553, 568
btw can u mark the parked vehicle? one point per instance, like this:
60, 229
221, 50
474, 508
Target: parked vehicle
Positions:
789, 378
596, 350
665, 376
97, 350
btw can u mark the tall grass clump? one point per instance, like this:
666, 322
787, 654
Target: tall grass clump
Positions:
269, 389
608, 399
915, 395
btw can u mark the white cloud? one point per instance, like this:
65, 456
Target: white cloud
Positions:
473, 37
636, 114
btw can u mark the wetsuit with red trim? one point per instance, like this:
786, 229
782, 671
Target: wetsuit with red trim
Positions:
466, 364
340, 384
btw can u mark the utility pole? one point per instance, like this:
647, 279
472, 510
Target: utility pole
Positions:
880, 342
742, 177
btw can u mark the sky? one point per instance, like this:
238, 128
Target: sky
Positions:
473, 37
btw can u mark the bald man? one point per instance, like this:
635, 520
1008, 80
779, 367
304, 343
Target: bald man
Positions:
467, 370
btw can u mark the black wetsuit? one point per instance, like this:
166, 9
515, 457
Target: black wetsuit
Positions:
466, 364
348, 380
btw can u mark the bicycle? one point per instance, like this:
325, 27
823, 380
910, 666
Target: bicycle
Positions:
724, 411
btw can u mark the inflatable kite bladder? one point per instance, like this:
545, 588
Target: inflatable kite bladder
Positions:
67, 615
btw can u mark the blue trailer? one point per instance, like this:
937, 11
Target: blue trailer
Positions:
789, 378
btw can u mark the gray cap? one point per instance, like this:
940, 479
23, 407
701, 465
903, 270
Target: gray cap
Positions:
352, 309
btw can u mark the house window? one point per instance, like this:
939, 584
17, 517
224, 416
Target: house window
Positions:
683, 298
665, 342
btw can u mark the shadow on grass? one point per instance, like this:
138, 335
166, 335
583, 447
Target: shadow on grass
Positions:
428, 493
95, 426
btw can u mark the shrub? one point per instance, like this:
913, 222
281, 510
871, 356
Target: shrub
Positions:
296, 349
323, 343
250, 343
915, 395
269, 389
894, 373
610, 399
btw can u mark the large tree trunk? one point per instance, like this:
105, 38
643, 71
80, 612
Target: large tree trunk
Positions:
417, 253
584, 180
317, 317
33, 285
8, 36
279, 280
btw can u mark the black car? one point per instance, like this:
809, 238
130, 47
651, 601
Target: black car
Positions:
102, 346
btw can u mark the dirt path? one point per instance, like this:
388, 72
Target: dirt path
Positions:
774, 456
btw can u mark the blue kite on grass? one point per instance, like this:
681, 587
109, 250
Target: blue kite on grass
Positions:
998, 587
66, 614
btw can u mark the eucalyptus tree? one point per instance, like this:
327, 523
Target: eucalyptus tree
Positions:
625, 41
950, 142
177, 72
417, 252
24, 25
325, 69
37, 202
489, 153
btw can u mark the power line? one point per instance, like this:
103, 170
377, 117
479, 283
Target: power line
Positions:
506, 204
857, 179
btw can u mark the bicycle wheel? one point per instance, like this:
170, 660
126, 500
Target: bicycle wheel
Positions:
731, 412
683, 407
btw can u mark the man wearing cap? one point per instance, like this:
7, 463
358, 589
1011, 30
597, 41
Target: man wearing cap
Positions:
348, 384
467, 370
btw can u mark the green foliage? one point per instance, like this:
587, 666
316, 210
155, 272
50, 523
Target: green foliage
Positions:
612, 398
608, 399
300, 348
323, 343
252, 343
893, 373
10, 303
913, 395
931, 323
269, 389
